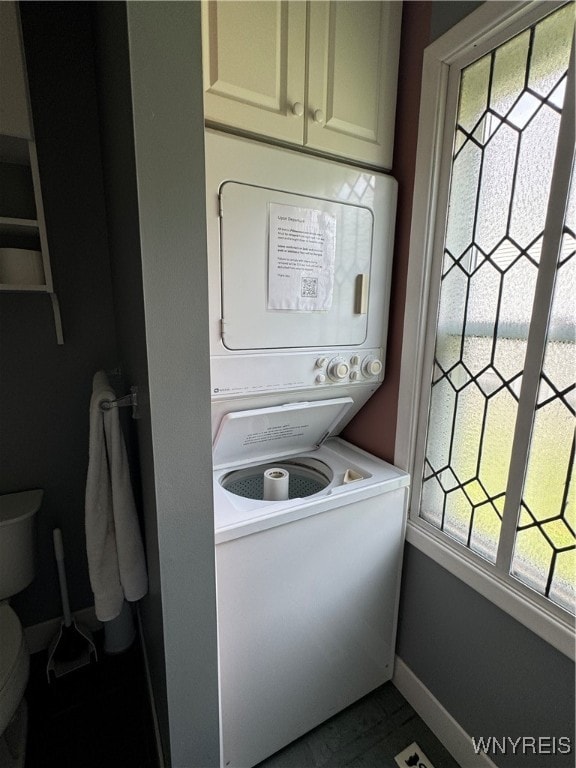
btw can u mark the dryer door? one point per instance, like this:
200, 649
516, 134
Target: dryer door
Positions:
295, 269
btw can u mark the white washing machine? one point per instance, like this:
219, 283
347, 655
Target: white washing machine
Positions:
309, 529
307, 586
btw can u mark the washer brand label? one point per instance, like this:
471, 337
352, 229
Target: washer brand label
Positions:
258, 388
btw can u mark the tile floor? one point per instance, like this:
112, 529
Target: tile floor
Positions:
98, 717
369, 734
95, 717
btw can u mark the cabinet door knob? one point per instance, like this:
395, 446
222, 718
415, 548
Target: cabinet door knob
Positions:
319, 116
298, 109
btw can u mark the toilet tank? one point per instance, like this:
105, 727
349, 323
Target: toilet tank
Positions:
17, 517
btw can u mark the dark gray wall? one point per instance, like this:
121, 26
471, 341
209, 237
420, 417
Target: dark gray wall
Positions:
45, 388
494, 676
153, 59
117, 139
446, 13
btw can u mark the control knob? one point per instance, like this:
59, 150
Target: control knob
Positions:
371, 366
338, 369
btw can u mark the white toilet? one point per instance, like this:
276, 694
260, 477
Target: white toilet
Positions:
17, 516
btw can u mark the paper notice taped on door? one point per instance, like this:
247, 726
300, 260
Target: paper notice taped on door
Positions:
301, 258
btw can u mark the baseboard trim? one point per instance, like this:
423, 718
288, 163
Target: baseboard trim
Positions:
438, 719
39, 636
151, 701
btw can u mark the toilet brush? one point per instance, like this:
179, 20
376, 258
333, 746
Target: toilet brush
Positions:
73, 646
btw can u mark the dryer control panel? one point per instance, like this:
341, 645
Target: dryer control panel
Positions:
283, 372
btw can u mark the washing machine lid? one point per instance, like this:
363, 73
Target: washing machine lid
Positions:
262, 434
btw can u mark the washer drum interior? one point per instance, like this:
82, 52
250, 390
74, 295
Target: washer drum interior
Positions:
307, 477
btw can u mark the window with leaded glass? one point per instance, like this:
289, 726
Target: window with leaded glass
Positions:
498, 462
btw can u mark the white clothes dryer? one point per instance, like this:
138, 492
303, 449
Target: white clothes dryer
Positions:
307, 579
299, 267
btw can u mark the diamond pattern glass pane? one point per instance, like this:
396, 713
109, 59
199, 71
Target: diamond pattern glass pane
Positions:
551, 50
465, 175
533, 176
474, 94
545, 538
495, 193
509, 73
505, 142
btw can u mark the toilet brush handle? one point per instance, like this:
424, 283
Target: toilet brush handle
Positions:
59, 554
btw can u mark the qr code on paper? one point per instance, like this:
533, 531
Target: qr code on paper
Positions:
309, 287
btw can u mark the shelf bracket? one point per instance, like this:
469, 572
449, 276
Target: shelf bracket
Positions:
57, 318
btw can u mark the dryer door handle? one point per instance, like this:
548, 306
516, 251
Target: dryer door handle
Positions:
361, 295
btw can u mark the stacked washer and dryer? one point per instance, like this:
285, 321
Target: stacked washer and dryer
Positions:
309, 529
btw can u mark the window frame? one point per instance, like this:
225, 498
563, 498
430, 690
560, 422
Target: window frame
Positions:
483, 30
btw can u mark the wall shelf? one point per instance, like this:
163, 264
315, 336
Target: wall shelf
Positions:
24, 256
11, 226
16, 287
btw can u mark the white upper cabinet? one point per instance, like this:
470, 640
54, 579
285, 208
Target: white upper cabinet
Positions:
352, 74
318, 74
254, 65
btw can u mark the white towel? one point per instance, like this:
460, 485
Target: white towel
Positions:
113, 543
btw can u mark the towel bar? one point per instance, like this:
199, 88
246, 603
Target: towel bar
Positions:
120, 402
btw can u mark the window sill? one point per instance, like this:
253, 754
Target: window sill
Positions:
514, 599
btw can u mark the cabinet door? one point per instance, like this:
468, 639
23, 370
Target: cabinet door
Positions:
353, 68
253, 61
